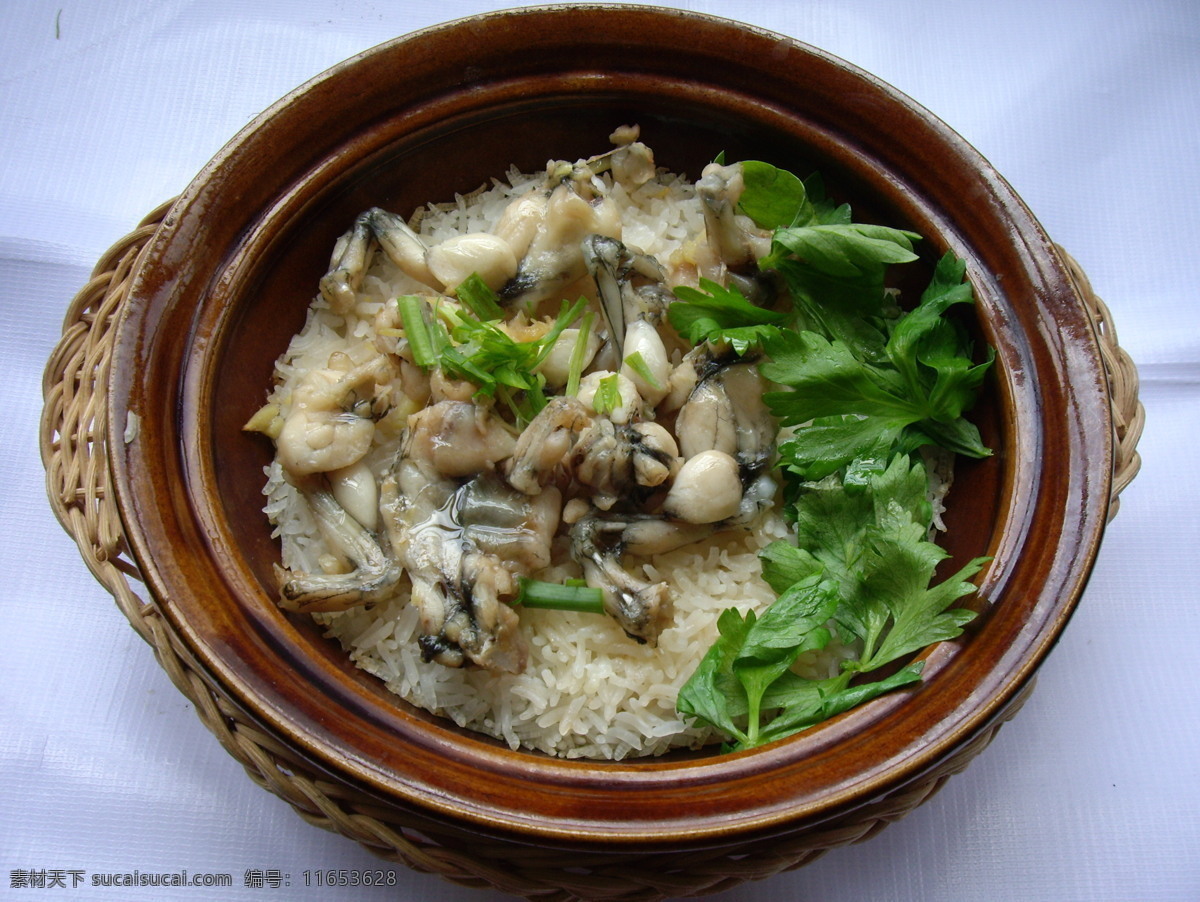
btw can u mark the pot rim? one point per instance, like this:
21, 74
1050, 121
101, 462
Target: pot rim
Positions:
572, 786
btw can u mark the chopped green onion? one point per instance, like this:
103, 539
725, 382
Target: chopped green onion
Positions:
417, 329
508, 374
535, 395
568, 596
575, 368
479, 298
480, 350
567, 314
520, 414
637, 363
608, 395
452, 359
447, 315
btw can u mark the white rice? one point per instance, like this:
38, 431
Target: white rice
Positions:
588, 690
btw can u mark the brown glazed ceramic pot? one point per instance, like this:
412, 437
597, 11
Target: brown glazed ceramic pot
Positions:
226, 282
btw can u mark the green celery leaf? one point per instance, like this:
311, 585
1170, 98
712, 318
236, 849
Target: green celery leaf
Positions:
960, 436
837, 525
854, 311
924, 329
829, 444
712, 313
712, 689
784, 564
849, 250
794, 623
864, 385
805, 703
826, 379
874, 542
867, 541
825, 211
757, 651
889, 398
860, 472
900, 581
774, 198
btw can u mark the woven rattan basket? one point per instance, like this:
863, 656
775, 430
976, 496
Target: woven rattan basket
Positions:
79, 486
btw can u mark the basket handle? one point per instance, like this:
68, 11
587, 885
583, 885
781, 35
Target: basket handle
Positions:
1129, 416
75, 415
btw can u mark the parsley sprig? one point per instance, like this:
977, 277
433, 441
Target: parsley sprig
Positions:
867, 378
863, 385
714, 313
858, 408
861, 571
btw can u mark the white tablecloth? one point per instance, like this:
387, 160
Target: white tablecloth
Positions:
1088, 108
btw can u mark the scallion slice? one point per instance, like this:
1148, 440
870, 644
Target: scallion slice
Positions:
479, 298
569, 596
608, 395
416, 328
637, 363
575, 367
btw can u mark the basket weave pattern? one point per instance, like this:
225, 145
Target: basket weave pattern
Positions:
79, 485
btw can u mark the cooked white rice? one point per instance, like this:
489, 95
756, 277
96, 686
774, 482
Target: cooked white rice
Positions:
588, 690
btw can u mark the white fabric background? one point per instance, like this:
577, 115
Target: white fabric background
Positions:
1089, 109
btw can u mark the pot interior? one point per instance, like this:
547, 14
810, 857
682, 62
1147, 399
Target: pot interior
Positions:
262, 302
230, 276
